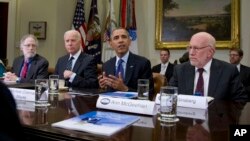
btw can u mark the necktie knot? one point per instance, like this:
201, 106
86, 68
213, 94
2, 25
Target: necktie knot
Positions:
120, 61
200, 70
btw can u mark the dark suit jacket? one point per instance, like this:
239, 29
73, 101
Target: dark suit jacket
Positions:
224, 82
168, 73
85, 69
9, 115
245, 78
37, 69
137, 68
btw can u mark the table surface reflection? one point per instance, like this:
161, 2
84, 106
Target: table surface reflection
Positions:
220, 114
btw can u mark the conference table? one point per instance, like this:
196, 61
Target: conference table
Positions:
220, 115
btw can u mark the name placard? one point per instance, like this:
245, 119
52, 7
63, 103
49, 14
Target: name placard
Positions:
23, 94
191, 101
192, 113
127, 105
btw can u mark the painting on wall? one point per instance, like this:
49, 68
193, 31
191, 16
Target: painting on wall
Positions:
178, 20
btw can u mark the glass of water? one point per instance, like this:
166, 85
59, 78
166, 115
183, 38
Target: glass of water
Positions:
41, 92
168, 103
143, 89
53, 84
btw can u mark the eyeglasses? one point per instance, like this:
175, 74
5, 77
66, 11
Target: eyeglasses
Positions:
196, 48
30, 45
232, 55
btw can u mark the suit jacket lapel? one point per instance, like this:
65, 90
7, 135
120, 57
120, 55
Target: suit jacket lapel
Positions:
78, 62
189, 78
111, 68
129, 68
215, 72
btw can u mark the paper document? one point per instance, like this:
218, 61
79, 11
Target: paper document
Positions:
98, 122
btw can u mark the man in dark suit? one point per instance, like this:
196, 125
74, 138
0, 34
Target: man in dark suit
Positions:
165, 67
235, 56
135, 67
77, 68
9, 116
30, 65
220, 79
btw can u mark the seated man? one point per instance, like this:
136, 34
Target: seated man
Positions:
131, 68
30, 65
205, 75
77, 68
165, 68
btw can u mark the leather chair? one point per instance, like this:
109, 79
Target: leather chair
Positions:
99, 69
159, 81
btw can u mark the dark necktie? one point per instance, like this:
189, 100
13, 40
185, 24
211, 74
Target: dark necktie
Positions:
200, 84
119, 68
69, 64
25, 69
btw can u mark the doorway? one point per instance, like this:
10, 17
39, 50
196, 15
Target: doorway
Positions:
3, 30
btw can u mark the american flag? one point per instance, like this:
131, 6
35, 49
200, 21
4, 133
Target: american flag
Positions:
128, 21
93, 42
79, 21
110, 25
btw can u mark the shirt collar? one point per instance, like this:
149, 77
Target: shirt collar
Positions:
124, 58
206, 67
76, 55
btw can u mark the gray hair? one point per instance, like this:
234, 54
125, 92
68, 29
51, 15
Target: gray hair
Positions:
28, 36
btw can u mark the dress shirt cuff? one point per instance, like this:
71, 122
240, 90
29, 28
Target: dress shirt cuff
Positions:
72, 77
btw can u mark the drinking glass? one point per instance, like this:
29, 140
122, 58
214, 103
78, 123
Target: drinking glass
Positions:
168, 103
143, 89
53, 84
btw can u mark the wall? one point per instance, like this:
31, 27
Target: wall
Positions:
59, 15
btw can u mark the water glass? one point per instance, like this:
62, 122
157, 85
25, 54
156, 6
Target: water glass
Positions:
143, 89
54, 84
168, 103
41, 91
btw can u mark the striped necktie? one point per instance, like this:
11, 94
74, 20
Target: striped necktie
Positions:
69, 64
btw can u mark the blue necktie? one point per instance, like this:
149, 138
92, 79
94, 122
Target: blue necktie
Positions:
120, 68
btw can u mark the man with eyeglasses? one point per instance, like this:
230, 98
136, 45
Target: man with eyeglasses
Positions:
206, 76
235, 56
30, 65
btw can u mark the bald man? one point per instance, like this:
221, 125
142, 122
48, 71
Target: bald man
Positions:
220, 79
81, 72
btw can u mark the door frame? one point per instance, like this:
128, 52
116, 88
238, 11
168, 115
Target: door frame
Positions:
11, 31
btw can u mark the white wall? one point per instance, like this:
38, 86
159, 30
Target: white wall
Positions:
59, 15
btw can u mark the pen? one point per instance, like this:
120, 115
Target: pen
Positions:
91, 120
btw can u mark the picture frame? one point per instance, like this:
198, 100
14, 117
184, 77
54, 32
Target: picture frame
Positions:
174, 29
38, 28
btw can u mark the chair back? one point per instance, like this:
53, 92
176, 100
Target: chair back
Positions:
159, 81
